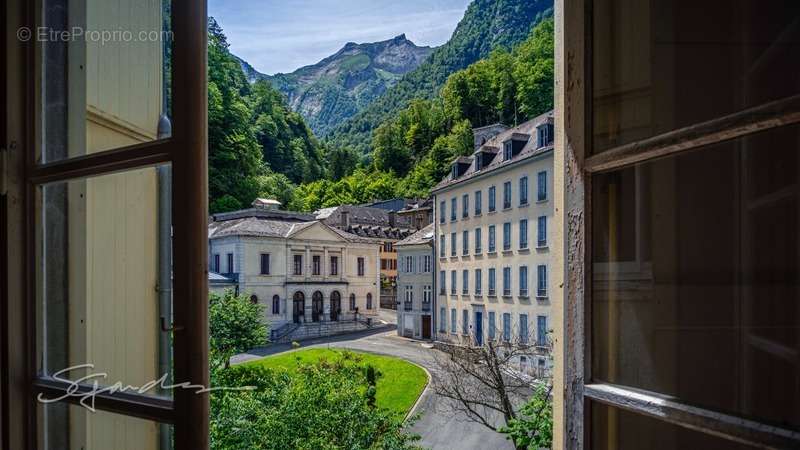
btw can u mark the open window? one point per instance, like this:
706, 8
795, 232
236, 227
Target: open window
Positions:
104, 222
680, 151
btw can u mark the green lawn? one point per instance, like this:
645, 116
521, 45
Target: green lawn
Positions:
399, 385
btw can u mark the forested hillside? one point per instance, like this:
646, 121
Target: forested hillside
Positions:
414, 148
487, 25
252, 134
336, 88
259, 147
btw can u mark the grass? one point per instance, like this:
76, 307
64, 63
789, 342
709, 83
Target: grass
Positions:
399, 385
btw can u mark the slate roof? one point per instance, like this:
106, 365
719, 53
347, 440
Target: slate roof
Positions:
423, 236
258, 227
215, 278
492, 145
366, 222
362, 215
284, 216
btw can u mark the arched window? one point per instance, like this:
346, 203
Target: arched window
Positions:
352, 302
316, 306
299, 307
369, 301
254, 299
336, 305
276, 304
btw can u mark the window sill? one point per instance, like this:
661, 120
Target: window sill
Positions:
509, 296
524, 205
507, 208
491, 252
539, 202
523, 297
508, 252
525, 250
477, 214
542, 247
492, 212
541, 298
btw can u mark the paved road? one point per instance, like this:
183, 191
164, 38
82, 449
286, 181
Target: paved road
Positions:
439, 426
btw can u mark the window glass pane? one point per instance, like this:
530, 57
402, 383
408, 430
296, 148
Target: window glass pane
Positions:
618, 429
696, 256
72, 427
105, 75
103, 279
660, 65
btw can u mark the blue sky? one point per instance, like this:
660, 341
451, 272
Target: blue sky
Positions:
283, 35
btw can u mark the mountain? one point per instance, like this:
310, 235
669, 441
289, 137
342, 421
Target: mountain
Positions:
486, 25
336, 88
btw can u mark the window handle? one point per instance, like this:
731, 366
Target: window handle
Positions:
171, 327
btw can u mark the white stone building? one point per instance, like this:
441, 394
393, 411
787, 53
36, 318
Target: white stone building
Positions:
492, 237
303, 271
415, 284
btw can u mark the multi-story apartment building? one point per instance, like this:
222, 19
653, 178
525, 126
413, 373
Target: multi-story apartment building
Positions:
415, 284
380, 225
492, 239
302, 270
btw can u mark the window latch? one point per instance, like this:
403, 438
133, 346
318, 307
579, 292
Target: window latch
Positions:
171, 327
4, 169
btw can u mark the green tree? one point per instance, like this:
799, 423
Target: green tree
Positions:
342, 162
278, 186
234, 156
321, 406
533, 428
235, 325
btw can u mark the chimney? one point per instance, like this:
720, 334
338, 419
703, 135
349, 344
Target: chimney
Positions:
392, 218
345, 219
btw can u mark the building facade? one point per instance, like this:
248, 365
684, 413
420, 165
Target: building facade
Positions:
303, 272
415, 285
378, 225
491, 238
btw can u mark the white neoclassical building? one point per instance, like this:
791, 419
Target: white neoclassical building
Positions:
303, 271
415, 284
492, 217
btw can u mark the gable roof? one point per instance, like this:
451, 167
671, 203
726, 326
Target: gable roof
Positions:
423, 236
492, 145
258, 227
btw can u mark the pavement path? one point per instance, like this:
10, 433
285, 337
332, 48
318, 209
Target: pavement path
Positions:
440, 427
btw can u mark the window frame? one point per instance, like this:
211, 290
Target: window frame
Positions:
333, 270
186, 151
361, 266
577, 163
265, 264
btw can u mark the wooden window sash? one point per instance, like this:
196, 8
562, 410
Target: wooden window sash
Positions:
752, 120
667, 409
186, 152
574, 88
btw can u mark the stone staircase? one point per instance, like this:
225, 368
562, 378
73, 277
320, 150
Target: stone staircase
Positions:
311, 330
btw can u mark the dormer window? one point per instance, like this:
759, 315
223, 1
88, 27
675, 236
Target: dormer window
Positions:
478, 161
508, 150
545, 135
454, 171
